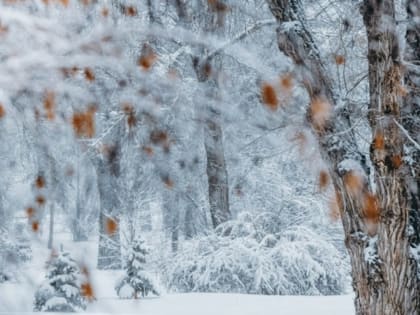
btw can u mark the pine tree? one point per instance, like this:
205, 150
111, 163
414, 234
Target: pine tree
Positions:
137, 280
61, 290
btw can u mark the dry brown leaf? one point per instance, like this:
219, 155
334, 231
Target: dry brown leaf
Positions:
321, 111
353, 183
269, 96
323, 180
2, 111
111, 226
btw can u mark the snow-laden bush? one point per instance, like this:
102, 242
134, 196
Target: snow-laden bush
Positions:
137, 281
241, 258
13, 252
60, 292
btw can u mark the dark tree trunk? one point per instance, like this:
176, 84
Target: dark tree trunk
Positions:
109, 248
216, 172
411, 116
207, 71
383, 271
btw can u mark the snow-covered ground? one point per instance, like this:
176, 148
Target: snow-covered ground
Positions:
17, 297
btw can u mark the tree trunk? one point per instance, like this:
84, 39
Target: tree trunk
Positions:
51, 232
411, 117
216, 172
78, 228
383, 271
109, 247
207, 71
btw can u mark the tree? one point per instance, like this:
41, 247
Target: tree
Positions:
61, 290
137, 280
374, 210
207, 68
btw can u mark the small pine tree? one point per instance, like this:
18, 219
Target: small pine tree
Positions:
61, 290
137, 280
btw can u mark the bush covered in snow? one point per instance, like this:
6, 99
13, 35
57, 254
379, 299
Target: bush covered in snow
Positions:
61, 290
137, 280
241, 257
13, 252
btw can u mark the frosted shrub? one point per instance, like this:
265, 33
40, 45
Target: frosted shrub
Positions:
61, 290
12, 254
241, 259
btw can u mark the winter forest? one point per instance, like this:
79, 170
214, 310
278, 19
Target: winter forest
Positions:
168, 157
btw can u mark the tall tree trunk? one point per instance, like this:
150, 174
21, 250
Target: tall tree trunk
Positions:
411, 117
51, 230
216, 172
207, 72
384, 274
109, 247
80, 233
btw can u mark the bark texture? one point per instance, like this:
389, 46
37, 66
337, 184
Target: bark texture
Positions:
206, 69
411, 117
384, 274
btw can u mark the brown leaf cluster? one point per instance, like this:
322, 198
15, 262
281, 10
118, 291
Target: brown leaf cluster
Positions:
353, 183
105, 12
269, 96
130, 10
131, 115
111, 226
334, 205
49, 105
147, 57
35, 226
148, 150
218, 6
89, 74
397, 161
286, 82
40, 200
340, 60
323, 180
379, 141
30, 212
159, 137
87, 291
2, 111
62, 2
371, 207
3, 29
84, 123
169, 183
320, 111
40, 182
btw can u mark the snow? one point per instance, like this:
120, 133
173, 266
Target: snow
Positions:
228, 304
17, 297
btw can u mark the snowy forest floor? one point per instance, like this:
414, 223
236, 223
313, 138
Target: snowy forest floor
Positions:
16, 297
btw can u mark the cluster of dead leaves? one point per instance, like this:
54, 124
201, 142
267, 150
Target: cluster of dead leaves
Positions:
2, 111
84, 122
275, 95
32, 212
147, 57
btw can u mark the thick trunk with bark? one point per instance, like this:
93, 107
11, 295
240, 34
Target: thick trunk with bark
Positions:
384, 274
216, 173
411, 118
207, 69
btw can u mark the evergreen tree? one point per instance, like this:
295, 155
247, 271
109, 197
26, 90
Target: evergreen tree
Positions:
61, 290
137, 280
